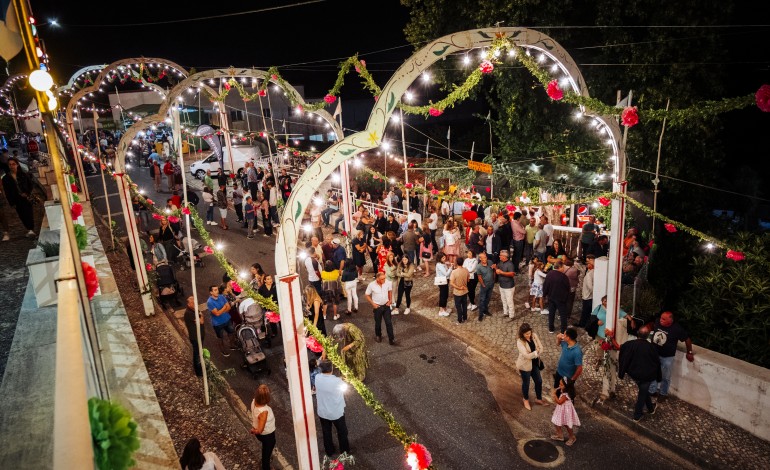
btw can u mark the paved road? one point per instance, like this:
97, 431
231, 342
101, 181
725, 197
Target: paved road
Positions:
464, 406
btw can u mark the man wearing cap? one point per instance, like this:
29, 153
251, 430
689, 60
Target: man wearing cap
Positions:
506, 272
666, 335
338, 254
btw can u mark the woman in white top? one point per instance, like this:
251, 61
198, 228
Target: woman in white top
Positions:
470, 263
263, 423
193, 457
443, 270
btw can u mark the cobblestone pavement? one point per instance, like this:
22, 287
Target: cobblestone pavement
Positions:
692, 432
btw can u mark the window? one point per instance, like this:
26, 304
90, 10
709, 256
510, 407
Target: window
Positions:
236, 115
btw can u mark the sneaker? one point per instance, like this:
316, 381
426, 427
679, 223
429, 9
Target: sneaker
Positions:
654, 408
406, 312
6, 237
526, 305
473, 307
419, 269
544, 312
443, 313
208, 222
552, 331
250, 236
394, 311
637, 419
336, 317
31, 234
265, 235
214, 223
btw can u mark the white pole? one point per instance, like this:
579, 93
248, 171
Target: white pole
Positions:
406, 165
188, 222
104, 183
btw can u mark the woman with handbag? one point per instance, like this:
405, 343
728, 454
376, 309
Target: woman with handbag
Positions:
443, 270
19, 187
530, 364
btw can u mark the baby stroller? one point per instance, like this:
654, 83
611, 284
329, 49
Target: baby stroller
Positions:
185, 258
169, 291
249, 333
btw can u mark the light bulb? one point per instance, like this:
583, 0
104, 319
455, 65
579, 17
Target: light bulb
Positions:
41, 80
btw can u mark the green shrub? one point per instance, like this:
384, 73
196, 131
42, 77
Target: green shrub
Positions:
727, 306
114, 435
50, 249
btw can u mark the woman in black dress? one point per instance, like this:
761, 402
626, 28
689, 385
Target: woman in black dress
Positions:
359, 252
373, 240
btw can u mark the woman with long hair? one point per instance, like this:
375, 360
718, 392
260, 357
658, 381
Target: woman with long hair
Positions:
443, 270
263, 423
373, 241
451, 241
193, 458
405, 274
528, 363
19, 186
314, 304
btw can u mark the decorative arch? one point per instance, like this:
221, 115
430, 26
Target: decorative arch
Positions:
344, 150
5, 90
76, 76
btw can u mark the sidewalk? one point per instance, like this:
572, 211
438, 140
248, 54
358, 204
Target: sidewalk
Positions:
689, 431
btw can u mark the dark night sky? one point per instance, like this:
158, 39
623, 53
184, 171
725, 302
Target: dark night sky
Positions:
307, 38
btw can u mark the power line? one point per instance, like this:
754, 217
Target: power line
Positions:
701, 185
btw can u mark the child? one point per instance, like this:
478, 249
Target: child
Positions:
537, 277
564, 414
314, 370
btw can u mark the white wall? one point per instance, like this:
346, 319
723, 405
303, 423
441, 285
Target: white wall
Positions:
731, 389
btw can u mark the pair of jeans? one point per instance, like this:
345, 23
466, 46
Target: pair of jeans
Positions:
197, 367
472, 289
666, 364
404, 289
238, 211
342, 434
461, 304
337, 223
274, 215
553, 306
528, 251
383, 313
484, 294
268, 444
518, 254
643, 398
443, 295
585, 312
535, 375
210, 214
327, 213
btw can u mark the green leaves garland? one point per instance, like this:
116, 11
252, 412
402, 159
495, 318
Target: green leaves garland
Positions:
113, 433
81, 236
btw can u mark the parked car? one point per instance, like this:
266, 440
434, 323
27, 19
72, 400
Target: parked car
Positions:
241, 155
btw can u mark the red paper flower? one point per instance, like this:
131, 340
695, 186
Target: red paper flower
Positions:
92, 281
553, 90
338, 465
208, 250
173, 219
273, 317
376, 177
604, 201
651, 244
606, 345
376, 98
76, 210
185, 211
629, 117
313, 344
735, 255
262, 93
486, 67
510, 207
330, 98
417, 456
148, 267
435, 112
274, 76
409, 186
232, 176
150, 202
763, 98
363, 64
157, 216
670, 227
434, 192
236, 287
488, 190
74, 187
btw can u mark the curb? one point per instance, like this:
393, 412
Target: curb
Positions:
659, 439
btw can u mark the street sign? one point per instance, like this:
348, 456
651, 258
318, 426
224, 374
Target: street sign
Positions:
478, 166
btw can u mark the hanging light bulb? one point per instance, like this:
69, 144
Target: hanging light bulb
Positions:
41, 80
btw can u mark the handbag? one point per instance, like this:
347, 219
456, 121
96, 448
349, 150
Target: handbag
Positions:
540, 364
592, 328
439, 281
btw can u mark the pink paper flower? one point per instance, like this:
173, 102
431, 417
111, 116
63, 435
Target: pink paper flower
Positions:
735, 255
274, 76
486, 67
273, 317
409, 186
208, 250
510, 208
630, 116
363, 64
604, 201
330, 99
227, 86
185, 211
553, 90
149, 201
763, 98
434, 192
173, 219
435, 112
313, 344
236, 287
262, 93
670, 227
157, 216
488, 190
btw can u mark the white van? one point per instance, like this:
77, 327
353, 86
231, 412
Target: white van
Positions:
241, 155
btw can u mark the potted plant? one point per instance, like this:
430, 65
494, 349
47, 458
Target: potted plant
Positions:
43, 265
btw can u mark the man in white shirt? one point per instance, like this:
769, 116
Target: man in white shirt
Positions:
313, 268
548, 229
330, 401
379, 293
444, 210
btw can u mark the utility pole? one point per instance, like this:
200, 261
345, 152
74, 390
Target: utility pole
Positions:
657, 172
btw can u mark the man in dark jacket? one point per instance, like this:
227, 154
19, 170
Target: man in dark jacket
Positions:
504, 232
639, 358
556, 287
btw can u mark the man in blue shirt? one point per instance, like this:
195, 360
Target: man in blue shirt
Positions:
220, 319
330, 405
571, 360
154, 157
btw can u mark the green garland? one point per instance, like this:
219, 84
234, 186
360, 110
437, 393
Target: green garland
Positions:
114, 435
